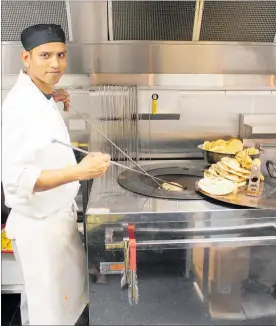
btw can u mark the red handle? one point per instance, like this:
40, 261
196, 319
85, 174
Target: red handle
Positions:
131, 230
132, 254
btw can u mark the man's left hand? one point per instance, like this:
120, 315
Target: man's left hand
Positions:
63, 96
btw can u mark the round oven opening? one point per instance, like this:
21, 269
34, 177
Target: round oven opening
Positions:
187, 181
146, 186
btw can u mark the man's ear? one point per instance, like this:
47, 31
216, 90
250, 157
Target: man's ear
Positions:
25, 57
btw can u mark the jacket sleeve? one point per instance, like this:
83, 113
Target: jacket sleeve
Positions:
23, 138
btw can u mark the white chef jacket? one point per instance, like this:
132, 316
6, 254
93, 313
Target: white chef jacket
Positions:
43, 224
29, 123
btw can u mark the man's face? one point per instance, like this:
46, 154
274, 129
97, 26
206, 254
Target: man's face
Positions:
46, 62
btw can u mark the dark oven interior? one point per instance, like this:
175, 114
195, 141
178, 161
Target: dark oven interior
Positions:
196, 286
143, 185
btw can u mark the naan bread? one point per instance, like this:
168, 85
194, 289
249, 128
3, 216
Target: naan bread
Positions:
240, 184
225, 174
214, 172
231, 146
171, 187
222, 166
216, 186
232, 163
207, 174
234, 145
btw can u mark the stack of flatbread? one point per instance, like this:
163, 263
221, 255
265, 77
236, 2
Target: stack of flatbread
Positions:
229, 169
228, 175
246, 162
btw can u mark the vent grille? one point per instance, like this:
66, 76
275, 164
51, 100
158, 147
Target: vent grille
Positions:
18, 15
242, 21
153, 20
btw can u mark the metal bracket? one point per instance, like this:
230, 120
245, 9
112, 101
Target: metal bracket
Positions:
198, 19
69, 20
110, 20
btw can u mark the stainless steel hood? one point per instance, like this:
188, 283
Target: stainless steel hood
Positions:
155, 43
82, 21
227, 21
185, 20
17, 15
159, 58
153, 20
238, 21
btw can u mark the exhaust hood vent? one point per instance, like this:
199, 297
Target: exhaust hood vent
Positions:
221, 21
185, 20
153, 20
17, 15
239, 21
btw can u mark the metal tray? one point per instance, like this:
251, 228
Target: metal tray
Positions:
266, 200
214, 157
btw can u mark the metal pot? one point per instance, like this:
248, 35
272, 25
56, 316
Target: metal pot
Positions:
213, 157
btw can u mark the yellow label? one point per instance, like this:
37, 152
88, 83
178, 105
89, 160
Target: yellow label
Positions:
154, 106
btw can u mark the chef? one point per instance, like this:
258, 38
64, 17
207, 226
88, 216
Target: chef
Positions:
41, 180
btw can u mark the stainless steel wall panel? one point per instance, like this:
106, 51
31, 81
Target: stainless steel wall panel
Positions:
158, 58
203, 116
190, 82
89, 21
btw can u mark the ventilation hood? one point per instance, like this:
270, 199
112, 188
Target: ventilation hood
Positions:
218, 21
201, 20
150, 38
82, 21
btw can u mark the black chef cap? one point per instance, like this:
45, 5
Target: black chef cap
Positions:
36, 35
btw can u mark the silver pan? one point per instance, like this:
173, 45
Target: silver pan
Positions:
271, 168
213, 157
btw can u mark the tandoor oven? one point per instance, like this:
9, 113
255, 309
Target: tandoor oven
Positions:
206, 268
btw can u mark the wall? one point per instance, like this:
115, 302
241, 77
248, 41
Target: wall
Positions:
79, 98
203, 115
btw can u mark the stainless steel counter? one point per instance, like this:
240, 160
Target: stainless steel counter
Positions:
12, 278
108, 197
177, 242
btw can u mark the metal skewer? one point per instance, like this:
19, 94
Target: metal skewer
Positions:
111, 142
117, 164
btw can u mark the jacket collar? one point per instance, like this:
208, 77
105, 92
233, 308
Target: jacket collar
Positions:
24, 79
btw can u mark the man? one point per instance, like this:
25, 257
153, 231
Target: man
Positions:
40, 180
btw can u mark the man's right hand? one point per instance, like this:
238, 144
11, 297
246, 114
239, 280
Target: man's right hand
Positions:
89, 168
93, 166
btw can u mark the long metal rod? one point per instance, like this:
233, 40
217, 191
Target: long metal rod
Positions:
203, 243
111, 142
209, 230
115, 163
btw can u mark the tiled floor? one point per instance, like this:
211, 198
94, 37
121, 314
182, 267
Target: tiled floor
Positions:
10, 310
